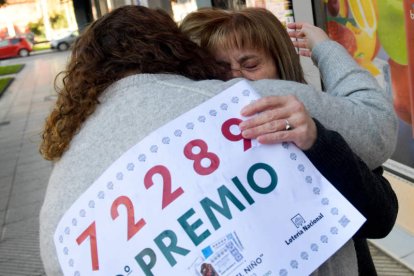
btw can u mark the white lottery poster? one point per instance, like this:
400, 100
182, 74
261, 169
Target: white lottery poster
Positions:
194, 198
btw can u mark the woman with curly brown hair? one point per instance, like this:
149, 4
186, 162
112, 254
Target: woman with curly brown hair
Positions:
132, 71
111, 50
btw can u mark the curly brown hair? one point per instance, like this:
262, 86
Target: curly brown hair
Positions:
128, 40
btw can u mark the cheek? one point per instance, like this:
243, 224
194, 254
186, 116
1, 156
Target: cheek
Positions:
253, 76
258, 75
266, 73
272, 72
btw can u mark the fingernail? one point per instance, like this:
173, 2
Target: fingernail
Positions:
260, 139
242, 125
245, 134
243, 111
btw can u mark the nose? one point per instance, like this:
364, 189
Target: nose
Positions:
236, 73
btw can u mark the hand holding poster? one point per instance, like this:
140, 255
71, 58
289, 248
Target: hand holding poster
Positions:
194, 198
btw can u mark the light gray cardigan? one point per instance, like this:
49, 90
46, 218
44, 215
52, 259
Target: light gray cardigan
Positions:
133, 107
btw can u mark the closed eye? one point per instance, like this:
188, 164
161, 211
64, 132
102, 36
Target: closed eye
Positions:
250, 67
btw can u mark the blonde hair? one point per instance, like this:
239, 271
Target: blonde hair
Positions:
250, 28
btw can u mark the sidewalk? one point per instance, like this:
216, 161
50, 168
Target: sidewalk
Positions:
24, 174
399, 244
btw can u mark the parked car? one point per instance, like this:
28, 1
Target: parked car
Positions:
14, 47
63, 43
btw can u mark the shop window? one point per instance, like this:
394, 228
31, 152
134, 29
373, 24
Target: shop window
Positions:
229, 4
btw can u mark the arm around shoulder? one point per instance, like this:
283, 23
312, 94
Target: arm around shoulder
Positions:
343, 77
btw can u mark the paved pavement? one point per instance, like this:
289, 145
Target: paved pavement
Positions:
24, 174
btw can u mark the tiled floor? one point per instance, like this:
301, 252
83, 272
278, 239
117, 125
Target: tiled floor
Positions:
387, 266
23, 172
399, 244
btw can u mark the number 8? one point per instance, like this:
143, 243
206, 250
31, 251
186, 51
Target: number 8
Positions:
214, 160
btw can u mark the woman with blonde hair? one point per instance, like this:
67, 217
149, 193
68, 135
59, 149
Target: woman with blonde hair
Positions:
256, 45
223, 31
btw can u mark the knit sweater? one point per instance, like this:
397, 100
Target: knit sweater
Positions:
367, 190
133, 107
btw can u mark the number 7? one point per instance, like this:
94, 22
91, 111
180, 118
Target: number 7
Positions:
91, 232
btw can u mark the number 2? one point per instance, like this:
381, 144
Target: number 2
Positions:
133, 227
167, 195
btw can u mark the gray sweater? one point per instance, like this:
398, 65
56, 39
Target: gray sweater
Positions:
133, 107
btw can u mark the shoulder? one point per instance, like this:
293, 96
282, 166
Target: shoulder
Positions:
325, 48
271, 87
162, 83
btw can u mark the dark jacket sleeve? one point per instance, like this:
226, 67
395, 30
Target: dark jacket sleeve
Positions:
367, 190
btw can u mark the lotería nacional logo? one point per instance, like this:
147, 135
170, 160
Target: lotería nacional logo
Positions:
298, 220
302, 226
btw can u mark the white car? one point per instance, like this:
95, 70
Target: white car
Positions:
64, 42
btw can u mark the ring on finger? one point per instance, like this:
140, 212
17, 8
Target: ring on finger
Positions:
287, 125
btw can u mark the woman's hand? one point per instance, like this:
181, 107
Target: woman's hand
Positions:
280, 119
307, 35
